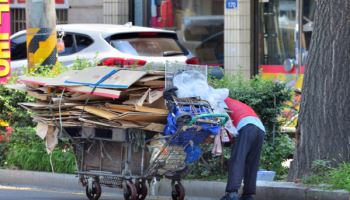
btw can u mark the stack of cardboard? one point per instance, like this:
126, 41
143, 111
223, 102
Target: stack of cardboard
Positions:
99, 96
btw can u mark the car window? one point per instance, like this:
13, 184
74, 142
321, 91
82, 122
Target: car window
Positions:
147, 45
74, 43
82, 41
19, 48
71, 44
68, 45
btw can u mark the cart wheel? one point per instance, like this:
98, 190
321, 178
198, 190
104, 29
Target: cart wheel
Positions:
130, 191
183, 119
94, 192
142, 190
179, 192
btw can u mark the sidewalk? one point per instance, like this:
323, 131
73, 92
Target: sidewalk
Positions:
195, 190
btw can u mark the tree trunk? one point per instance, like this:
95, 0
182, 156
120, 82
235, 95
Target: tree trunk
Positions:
324, 121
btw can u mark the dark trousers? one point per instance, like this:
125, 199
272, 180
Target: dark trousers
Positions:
244, 161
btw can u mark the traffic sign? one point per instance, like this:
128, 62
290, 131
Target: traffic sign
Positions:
231, 4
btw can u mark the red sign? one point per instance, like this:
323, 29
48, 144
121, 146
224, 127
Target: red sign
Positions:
5, 55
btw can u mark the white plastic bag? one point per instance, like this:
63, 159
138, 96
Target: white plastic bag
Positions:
192, 83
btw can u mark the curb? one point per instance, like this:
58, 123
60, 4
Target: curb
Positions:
195, 190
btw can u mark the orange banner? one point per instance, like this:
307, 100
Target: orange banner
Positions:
5, 55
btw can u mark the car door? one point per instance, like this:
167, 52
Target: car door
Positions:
74, 45
18, 54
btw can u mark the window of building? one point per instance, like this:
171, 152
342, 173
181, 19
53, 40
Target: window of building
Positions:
18, 18
199, 25
277, 35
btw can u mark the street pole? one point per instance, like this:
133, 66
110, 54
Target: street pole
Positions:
41, 33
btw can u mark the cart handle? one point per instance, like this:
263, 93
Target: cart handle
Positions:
223, 120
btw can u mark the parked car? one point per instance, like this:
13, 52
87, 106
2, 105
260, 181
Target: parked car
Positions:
112, 45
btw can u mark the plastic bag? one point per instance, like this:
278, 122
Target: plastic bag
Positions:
192, 83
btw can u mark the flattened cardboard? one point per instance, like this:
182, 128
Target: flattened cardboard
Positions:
154, 95
137, 99
158, 73
37, 95
120, 107
155, 83
124, 77
143, 117
41, 130
136, 108
107, 77
57, 81
149, 97
51, 139
155, 127
113, 125
150, 78
46, 106
114, 94
151, 110
98, 112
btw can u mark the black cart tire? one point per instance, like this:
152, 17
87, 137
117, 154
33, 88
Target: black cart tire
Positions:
179, 192
130, 191
95, 192
142, 190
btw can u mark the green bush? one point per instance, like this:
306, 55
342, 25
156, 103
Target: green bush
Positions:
340, 177
11, 112
27, 151
322, 174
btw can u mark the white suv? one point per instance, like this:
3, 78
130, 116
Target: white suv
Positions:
113, 45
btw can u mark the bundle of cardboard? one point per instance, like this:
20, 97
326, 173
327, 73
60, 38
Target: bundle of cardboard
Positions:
98, 96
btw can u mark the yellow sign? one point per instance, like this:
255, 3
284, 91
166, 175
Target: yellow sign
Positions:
5, 55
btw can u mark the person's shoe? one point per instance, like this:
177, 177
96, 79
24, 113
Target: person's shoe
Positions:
246, 197
230, 196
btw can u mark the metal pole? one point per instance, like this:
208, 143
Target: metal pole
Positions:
300, 35
41, 33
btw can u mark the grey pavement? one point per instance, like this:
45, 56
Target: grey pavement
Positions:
27, 193
53, 186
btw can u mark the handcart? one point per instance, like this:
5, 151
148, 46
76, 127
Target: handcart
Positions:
131, 158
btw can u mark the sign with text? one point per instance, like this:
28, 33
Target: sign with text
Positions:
5, 55
231, 4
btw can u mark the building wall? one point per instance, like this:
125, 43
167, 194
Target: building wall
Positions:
87, 11
115, 11
237, 39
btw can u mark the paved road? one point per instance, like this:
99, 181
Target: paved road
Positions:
24, 193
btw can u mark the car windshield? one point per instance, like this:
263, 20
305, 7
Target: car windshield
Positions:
150, 44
